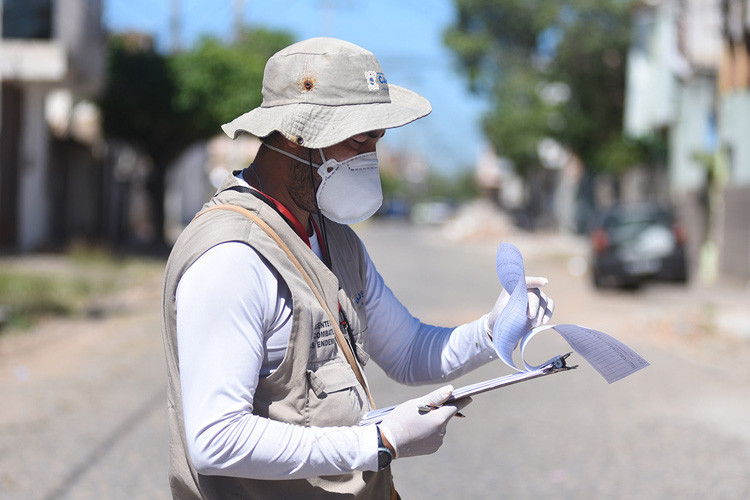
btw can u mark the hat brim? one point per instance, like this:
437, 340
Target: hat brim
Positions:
320, 126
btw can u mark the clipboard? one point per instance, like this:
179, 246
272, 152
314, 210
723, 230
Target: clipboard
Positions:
555, 365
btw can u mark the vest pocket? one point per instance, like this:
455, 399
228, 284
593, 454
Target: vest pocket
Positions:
330, 378
335, 396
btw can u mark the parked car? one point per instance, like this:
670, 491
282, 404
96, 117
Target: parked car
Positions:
635, 243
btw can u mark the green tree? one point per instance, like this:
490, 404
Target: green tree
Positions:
137, 109
164, 103
216, 82
551, 69
137, 100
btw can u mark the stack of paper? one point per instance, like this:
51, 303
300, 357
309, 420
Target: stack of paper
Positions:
610, 357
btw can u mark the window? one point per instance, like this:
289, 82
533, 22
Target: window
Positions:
27, 19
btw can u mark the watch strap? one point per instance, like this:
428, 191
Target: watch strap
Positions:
385, 455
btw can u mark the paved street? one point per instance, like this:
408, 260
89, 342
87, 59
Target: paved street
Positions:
678, 429
83, 412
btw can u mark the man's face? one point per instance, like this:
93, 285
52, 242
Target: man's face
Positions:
353, 146
302, 190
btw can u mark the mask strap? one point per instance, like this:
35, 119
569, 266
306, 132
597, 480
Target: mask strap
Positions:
290, 155
313, 167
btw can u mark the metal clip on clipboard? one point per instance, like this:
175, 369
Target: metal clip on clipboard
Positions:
555, 365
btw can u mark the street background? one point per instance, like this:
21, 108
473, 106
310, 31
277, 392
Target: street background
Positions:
109, 145
84, 398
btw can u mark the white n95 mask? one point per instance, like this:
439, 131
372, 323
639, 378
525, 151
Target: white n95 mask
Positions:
350, 190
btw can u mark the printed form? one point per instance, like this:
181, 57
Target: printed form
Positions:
610, 357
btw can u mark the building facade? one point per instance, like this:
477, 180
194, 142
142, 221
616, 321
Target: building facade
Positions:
51, 59
687, 82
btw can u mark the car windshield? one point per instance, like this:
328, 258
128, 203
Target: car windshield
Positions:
626, 224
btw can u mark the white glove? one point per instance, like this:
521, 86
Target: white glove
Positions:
411, 432
540, 308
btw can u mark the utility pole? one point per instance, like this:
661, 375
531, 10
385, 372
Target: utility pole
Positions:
239, 19
175, 25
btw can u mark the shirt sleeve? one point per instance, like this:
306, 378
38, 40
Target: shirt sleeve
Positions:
413, 352
226, 302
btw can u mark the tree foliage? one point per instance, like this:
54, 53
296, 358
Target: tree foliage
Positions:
217, 82
552, 69
164, 103
137, 100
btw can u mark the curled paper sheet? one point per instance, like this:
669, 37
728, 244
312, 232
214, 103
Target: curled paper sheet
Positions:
610, 357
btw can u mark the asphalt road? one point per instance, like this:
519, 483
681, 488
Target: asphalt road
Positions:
677, 429
83, 412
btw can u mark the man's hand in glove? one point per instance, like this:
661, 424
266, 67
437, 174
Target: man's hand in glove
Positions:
540, 307
411, 432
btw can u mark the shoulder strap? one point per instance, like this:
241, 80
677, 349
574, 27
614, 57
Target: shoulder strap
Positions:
340, 340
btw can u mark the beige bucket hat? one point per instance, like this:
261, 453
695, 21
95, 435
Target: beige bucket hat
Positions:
321, 91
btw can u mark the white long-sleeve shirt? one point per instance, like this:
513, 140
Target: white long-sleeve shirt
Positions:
234, 316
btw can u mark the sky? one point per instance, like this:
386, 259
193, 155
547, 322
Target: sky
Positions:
405, 35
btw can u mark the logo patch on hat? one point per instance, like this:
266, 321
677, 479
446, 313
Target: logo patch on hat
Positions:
372, 80
376, 80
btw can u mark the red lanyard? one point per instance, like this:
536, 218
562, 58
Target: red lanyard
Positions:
302, 233
297, 225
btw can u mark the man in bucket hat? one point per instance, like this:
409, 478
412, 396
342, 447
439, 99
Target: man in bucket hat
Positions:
272, 306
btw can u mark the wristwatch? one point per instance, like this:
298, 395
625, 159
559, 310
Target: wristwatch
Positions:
385, 455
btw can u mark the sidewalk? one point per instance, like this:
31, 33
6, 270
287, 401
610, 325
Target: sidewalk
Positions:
84, 399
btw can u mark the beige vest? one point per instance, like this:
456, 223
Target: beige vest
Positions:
314, 385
